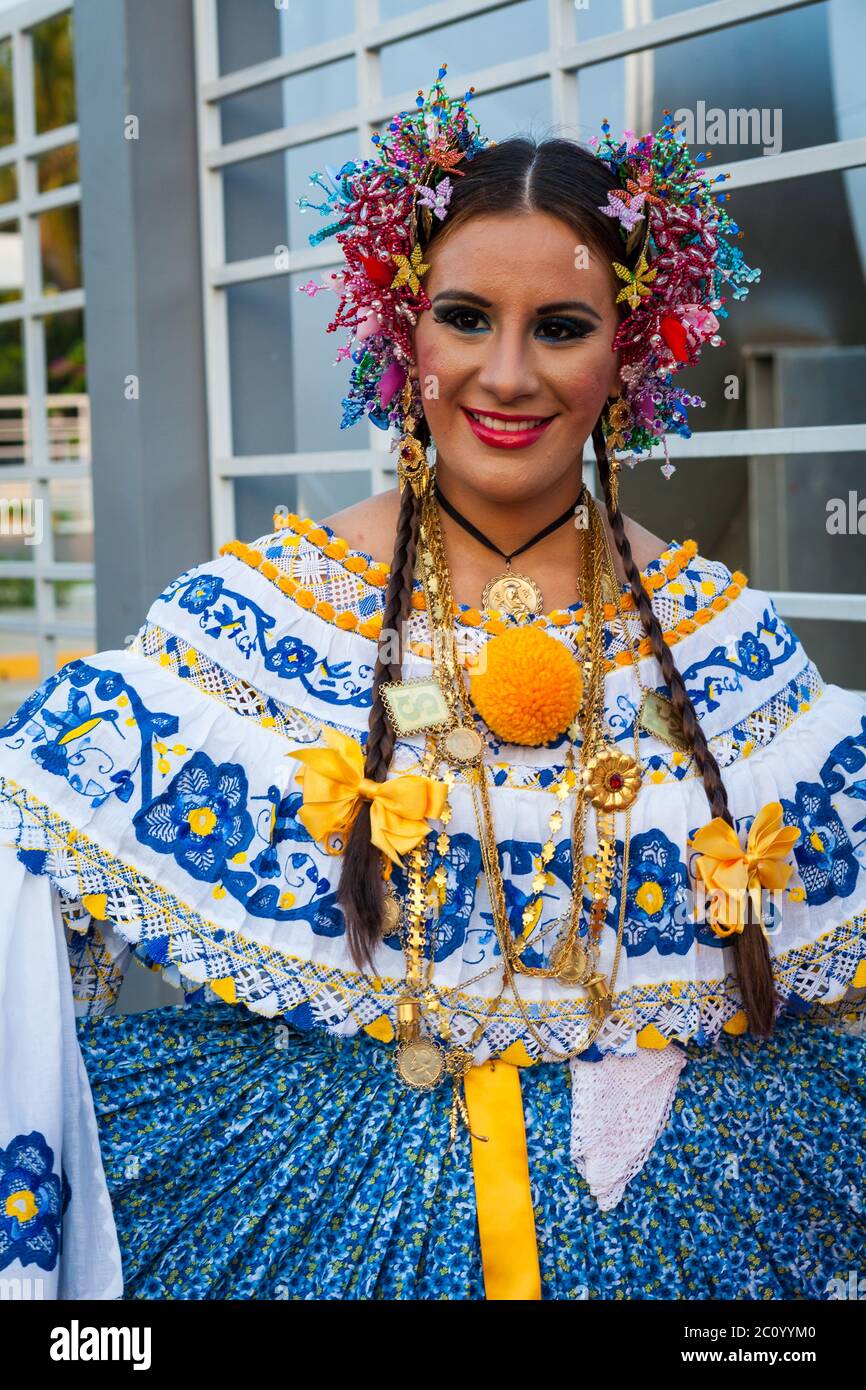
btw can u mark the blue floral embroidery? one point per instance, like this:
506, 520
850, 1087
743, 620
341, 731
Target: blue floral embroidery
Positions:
848, 756
720, 671
292, 657
200, 818
754, 657
71, 740
202, 593
824, 853
227, 615
32, 1202
656, 908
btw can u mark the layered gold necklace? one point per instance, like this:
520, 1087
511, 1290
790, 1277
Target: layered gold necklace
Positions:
607, 778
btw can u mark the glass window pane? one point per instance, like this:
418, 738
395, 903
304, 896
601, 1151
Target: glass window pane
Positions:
286, 393
54, 72
838, 649
60, 248
259, 197
397, 9
71, 519
74, 601
806, 510
11, 262
254, 200
65, 370
252, 33
592, 20
522, 110
307, 22
713, 79
320, 92
480, 41
22, 520
7, 96
69, 428
309, 494
14, 436
19, 660
56, 168
8, 183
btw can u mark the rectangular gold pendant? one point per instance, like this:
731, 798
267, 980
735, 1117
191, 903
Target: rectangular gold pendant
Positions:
415, 705
658, 716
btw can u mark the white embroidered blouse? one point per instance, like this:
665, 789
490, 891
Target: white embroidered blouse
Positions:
151, 788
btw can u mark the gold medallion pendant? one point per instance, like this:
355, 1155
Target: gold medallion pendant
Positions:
511, 593
462, 745
612, 779
390, 915
571, 963
421, 1063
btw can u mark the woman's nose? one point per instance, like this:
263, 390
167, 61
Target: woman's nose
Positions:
508, 369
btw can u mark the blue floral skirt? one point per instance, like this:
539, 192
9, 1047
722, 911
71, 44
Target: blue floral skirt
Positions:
248, 1160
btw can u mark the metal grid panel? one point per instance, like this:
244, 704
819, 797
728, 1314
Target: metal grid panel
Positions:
561, 66
43, 444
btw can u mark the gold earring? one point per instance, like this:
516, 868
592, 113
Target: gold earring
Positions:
619, 420
412, 467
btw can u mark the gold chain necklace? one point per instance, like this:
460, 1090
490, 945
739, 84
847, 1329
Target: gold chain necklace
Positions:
421, 1062
568, 952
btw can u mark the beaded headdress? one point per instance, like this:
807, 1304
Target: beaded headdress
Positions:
663, 201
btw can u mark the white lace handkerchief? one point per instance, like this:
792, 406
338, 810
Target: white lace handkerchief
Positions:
619, 1107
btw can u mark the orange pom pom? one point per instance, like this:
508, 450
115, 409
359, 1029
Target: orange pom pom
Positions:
529, 688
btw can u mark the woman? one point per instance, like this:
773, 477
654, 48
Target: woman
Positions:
453, 1024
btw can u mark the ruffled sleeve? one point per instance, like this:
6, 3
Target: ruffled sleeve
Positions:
57, 1233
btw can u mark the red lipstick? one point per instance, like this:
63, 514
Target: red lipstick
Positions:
506, 439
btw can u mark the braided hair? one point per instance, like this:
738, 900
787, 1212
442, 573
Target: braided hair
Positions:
560, 177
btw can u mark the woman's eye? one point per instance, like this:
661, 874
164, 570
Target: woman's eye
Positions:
554, 330
453, 315
564, 330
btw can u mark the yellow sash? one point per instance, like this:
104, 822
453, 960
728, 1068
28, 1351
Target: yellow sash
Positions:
506, 1220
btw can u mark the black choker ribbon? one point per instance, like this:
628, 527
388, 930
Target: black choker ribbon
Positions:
485, 540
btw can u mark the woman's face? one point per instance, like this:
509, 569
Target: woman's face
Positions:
521, 324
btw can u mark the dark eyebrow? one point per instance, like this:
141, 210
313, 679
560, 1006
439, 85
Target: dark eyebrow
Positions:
469, 297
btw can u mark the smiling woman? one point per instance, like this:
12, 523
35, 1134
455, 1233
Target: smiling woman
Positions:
520, 960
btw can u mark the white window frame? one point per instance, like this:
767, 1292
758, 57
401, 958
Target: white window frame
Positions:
31, 310
561, 64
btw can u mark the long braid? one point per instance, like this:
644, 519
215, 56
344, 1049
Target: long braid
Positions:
361, 891
751, 953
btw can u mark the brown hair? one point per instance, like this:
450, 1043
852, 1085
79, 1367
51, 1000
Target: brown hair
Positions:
562, 178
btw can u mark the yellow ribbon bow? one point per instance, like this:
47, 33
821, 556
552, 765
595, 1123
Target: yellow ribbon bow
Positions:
725, 866
334, 786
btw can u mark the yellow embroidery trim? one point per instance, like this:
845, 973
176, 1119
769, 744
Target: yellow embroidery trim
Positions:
472, 617
377, 572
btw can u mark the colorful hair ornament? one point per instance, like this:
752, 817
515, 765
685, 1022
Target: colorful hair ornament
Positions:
377, 208
667, 204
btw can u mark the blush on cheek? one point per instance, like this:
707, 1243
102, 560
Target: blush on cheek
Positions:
590, 387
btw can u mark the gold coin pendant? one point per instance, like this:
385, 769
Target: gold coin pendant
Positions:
421, 1063
516, 594
573, 961
463, 744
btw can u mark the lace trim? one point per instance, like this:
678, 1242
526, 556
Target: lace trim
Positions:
370, 627
619, 1107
